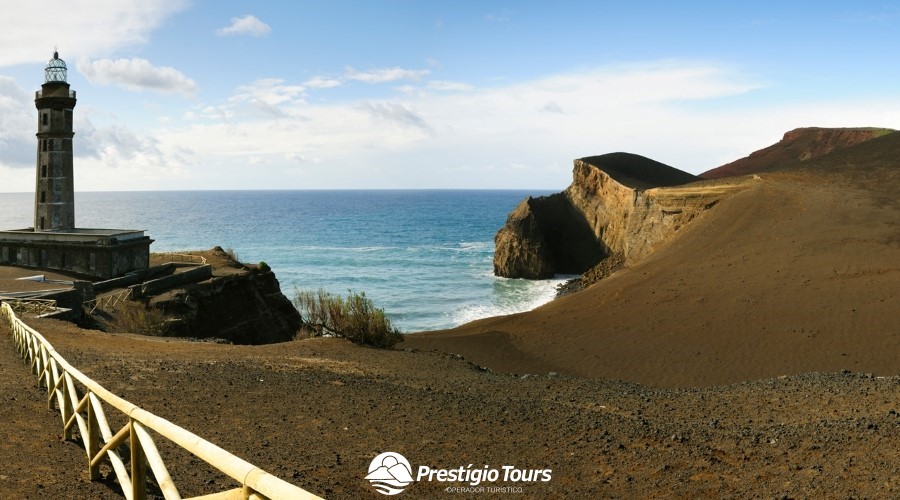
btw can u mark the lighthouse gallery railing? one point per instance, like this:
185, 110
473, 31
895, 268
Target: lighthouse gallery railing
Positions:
82, 409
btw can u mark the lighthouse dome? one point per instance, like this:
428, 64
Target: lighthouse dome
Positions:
55, 70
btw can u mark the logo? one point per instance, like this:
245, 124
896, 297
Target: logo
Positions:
390, 473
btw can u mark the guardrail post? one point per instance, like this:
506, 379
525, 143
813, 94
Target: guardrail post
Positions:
66, 406
40, 364
138, 467
92, 440
55, 378
67, 410
45, 371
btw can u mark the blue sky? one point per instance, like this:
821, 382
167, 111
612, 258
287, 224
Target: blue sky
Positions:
181, 94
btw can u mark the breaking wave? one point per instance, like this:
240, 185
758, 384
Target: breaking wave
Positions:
510, 296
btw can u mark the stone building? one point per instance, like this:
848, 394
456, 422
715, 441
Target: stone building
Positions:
54, 242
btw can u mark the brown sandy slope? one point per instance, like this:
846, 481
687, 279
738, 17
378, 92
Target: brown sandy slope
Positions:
797, 274
796, 146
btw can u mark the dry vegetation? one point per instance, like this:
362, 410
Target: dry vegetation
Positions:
355, 318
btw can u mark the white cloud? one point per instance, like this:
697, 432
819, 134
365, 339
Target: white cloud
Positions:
432, 86
320, 82
408, 89
294, 157
138, 74
17, 118
115, 153
270, 91
263, 98
401, 114
449, 86
551, 107
84, 30
247, 25
385, 75
218, 113
509, 136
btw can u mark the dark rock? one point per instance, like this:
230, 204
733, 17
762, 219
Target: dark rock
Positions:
244, 308
545, 236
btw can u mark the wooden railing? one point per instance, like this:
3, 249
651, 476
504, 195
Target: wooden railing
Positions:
82, 409
36, 307
107, 302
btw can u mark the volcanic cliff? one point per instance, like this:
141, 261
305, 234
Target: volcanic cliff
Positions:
244, 308
618, 204
211, 295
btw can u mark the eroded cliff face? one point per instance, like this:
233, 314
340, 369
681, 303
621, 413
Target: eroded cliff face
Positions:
521, 250
529, 245
618, 204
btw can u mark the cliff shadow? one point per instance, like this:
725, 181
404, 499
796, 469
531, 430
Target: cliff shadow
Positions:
567, 234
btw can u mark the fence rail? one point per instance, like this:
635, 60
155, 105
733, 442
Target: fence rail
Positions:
80, 401
106, 302
30, 306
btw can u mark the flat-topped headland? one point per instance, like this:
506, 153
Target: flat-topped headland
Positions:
786, 269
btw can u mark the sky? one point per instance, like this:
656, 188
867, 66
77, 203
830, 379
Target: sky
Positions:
440, 94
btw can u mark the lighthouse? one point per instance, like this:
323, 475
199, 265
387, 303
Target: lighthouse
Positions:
54, 242
54, 194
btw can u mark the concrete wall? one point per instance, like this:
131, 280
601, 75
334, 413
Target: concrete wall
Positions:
156, 286
98, 261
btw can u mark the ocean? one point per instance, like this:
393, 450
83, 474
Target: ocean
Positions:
424, 256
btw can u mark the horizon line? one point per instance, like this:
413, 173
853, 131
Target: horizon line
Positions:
290, 190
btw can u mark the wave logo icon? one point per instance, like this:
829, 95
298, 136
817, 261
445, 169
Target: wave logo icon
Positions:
390, 473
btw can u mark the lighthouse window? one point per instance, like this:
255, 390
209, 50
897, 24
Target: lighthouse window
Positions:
43, 196
43, 170
43, 145
44, 119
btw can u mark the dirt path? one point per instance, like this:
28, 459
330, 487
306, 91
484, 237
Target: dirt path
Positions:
37, 463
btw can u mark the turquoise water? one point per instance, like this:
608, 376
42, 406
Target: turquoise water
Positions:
423, 256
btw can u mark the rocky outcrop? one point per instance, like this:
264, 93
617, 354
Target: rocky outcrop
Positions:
618, 203
797, 146
244, 308
531, 244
